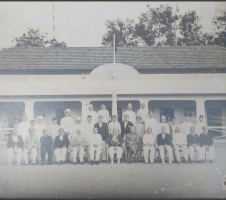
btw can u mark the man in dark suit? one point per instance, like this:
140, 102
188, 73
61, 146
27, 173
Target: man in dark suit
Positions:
103, 131
125, 129
164, 143
193, 145
46, 147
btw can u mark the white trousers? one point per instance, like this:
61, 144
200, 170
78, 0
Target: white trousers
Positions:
118, 152
10, 153
162, 149
33, 155
60, 154
211, 152
92, 151
75, 151
177, 153
146, 149
191, 152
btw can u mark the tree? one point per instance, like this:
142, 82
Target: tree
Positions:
33, 38
124, 33
190, 30
157, 26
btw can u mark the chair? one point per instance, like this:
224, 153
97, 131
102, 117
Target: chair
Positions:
109, 160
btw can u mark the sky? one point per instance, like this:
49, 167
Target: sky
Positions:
82, 24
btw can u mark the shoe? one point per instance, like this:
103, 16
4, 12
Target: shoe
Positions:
43, 163
33, 164
211, 161
152, 162
81, 163
128, 161
49, 163
199, 161
97, 162
59, 163
74, 163
145, 162
118, 162
92, 162
112, 163
178, 162
171, 163
185, 161
163, 163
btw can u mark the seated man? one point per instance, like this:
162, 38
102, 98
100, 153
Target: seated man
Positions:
164, 143
78, 144
61, 144
46, 146
148, 145
206, 143
15, 145
31, 146
95, 145
131, 141
193, 144
115, 141
180, 143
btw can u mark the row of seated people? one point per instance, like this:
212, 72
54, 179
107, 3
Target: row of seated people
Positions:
80, 143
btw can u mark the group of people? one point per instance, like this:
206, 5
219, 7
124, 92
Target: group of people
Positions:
99, 138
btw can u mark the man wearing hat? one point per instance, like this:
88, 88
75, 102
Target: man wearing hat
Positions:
104, 113
92, 113
114, 124
67, 122
31, 144
23, 127
143, 113
139, 127
130, 113
15, 145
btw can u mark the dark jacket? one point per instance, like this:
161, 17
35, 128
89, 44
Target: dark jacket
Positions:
165, 141
192, 139
113, 143
126, 130
59, 144
11, 143
103, 130
206, 139
46, 141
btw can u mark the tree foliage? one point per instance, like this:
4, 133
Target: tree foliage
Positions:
34, 38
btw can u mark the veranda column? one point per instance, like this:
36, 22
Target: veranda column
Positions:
85, 104
29, 109
200, 109
114, 103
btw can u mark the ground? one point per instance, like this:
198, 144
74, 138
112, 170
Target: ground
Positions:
104, 180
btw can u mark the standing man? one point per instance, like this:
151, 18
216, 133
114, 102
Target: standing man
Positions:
180, 143
193, 144
61, 144
187, 125
149, 140
170, 124
15, 145
31, 146
32, 123
199, 125
103, 131
92, 113
164, 143
23, 127
206, 143
174, 124
139, 129
130, 113
46, 147
131, 141
77, 125
163, 123
143, 113
152, 123
104, 113
95, 142
39, 127
67, 122
114, 124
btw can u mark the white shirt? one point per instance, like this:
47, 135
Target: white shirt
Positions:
180, 138
39, 130
143, 113
94, 115
53, 131
131, 114
125, 124
198, 127
88, 129
67, 123
151, 122
185, 127
149, 138
105, 114
77, 127
23, 129
95, 139
160, 125
174, 127
114, 125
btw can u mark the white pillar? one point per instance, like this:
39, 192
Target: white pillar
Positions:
85, 105
114, 104
200, 109
29, 109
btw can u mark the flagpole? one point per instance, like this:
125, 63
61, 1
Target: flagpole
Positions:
114, 45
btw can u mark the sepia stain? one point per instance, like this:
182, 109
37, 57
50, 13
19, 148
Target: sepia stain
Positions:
219, 11
93, 186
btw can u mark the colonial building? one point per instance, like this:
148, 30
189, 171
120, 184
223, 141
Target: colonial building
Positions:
169, 80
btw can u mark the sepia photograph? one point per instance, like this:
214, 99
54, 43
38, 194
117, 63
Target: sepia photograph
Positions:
113, 99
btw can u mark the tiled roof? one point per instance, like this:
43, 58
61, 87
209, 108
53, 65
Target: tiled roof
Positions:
91, 57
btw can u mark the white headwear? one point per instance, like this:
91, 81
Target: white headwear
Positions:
129, 104
39, 117
90, 105
67, 110
78, 118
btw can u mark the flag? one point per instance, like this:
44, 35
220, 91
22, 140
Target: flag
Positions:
114, 41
